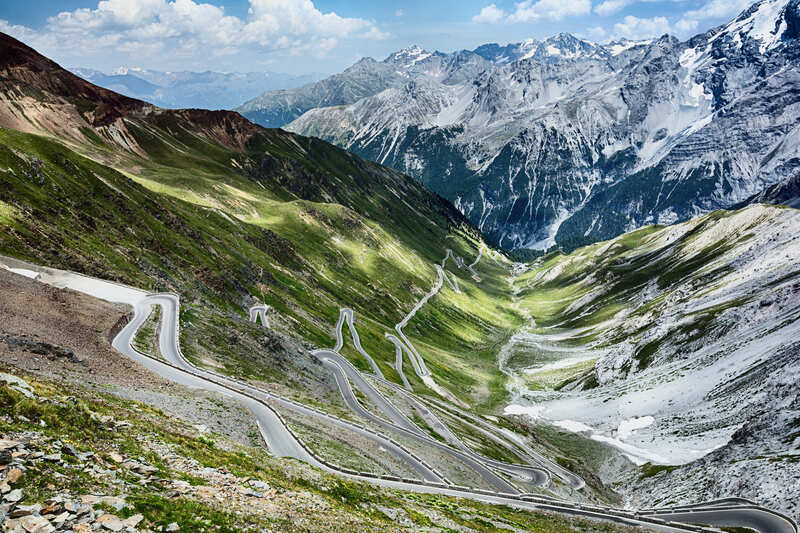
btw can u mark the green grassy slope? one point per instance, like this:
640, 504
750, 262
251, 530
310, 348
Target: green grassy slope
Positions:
226, 213
616, 292
304, 258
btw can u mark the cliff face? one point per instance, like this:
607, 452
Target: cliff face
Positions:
566, 142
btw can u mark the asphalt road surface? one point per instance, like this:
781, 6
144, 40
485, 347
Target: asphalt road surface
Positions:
283, 443
735, 512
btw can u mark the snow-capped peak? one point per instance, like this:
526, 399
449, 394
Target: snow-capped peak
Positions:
555, 48
408, 56
765, 22
124, 71
620, 45
527, 46
567, 46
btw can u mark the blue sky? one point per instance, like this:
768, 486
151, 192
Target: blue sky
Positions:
302, 36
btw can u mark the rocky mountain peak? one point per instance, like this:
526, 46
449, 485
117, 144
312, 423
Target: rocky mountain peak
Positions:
20, 65
567, 46
408, 57
768, 24
709, 122
363, 64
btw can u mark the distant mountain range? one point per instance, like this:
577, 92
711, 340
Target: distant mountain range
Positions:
368, 76
205, 90
564, 141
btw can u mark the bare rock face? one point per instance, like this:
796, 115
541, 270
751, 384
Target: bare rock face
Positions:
784, 193
40, 348
568, 142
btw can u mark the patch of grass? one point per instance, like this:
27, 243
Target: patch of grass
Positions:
336, 449
349, 493
146, 339
7, 213
73, 419
419, 518
478, 441
190, 514
650, 470
644, 354
557, 378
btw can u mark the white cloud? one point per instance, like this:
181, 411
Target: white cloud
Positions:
297, 17
534, 11
686, 26
490, 14
19, 32
597, 33
609, 7
188, 29
375, 34
399, 13
642, 28
530, 11
718, 9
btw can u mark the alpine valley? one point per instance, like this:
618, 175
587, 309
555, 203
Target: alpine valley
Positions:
566, 142
211, 325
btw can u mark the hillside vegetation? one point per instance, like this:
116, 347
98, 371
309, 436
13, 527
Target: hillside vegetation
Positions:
227, 213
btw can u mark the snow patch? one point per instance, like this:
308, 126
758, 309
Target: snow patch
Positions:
533, 411
628, 427
573, 426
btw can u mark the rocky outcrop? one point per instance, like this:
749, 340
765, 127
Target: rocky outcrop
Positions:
40, 348
783, 193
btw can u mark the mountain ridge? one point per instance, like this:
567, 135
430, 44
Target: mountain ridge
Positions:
22, 63
564, 149
293, 102
187, 89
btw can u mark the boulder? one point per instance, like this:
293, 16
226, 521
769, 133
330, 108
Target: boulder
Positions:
110, 522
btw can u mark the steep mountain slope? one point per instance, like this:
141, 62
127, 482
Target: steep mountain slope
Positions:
124, 190
205, 90
365, 78
677, 345
783, 193
564, 142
